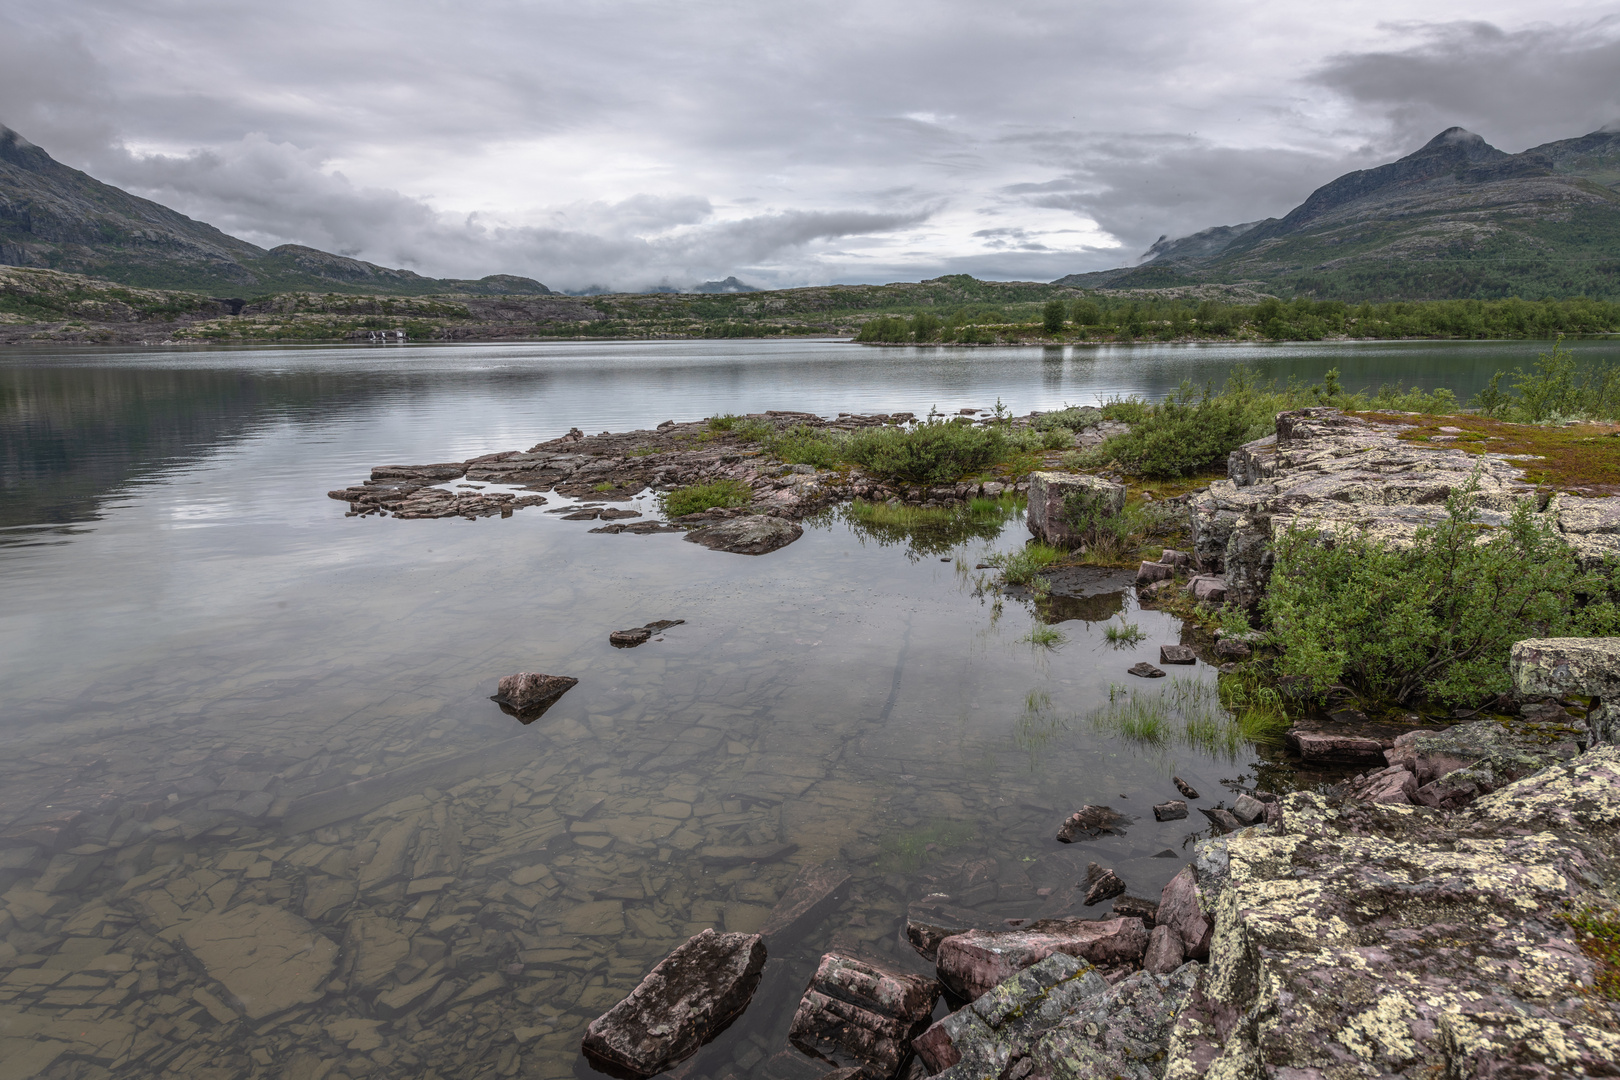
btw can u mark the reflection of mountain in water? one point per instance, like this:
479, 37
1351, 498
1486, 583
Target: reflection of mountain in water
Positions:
71, 436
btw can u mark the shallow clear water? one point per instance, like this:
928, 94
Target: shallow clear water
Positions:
245, 702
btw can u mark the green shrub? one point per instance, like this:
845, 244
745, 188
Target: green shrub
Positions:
1052, 316
1086, 313
1193, 430
1071, 418
1555, 389
802, 444
890, 329
1434, 620
933, 452
698, 497
1187, 433
746, 428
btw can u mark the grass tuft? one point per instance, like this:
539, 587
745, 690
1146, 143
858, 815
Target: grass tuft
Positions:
1023, 566
1045, 636
1123, 634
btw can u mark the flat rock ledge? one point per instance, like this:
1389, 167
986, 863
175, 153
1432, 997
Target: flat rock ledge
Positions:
1331, 471
1358, 939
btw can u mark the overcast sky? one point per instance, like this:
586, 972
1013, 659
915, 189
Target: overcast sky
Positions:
630, 144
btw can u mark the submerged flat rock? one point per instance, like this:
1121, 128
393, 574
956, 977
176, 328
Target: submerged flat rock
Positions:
268, 958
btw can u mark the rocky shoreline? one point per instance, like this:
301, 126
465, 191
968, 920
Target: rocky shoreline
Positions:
1349, 934
1446, 878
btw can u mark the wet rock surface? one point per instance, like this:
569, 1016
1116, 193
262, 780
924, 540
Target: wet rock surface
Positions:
1090, 822
527, 695
268, 959
688, 998
639, 635
754, 535
971, 963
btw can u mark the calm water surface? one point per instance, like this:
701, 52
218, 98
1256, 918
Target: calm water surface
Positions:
260, 818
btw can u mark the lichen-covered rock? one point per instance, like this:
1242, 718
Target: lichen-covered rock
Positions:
1057, 498
1001, 1024
1122, 1033
1560, 666
1366, 940
1491, 754
690, 996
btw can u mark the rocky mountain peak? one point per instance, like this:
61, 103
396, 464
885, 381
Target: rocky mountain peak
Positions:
1457, 136
18, 151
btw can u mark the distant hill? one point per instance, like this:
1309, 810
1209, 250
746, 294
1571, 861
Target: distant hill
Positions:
59, 218
729, 285
1456, 219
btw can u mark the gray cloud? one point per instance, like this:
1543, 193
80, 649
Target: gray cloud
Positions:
1516, 88
640, 142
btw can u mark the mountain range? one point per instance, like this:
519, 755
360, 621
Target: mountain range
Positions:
1456, 219
59, 218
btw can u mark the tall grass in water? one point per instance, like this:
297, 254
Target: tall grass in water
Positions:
1022, 566
1194, 714
1123, 633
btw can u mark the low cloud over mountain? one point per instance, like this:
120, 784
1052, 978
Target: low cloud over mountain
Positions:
638, 143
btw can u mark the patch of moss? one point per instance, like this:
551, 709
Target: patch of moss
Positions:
1580, 458
1598, 934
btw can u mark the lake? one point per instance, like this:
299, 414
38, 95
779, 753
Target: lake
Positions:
258, 815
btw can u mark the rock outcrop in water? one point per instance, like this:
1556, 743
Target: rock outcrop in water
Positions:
859, 1014
617, 466
1060, 503
688, 998
755, 534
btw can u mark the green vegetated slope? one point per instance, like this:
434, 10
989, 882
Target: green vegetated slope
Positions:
59, 218
47, 305
1456, 219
